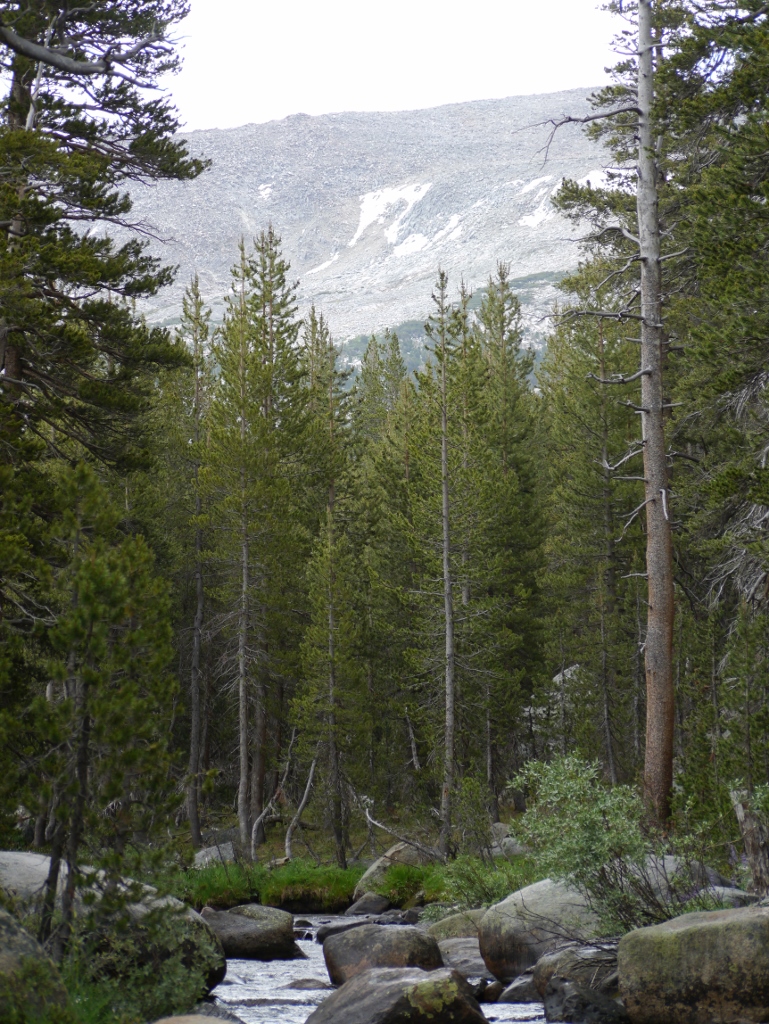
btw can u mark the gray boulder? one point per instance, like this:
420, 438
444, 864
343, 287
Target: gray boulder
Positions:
308, 984
29, 981
411, 996
337, 927
522, 990
254, 932
505, 845
23, 875
223, 854
464, 925
401, 853
373, 945
577, 1004
464, 955
593, 966
516, 932
727, 896
369, 903
698, 968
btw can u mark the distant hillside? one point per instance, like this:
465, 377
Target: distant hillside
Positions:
369, 204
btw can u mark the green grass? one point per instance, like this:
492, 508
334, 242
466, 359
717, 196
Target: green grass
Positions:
299, 886
465, 883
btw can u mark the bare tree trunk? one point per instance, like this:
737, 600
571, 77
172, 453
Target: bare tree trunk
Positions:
300, 809
660, 696
52, 882
448, 610
197, 631
82, 756
243, 822
755, 836
333, 753
243, 818
413, 742
259, 762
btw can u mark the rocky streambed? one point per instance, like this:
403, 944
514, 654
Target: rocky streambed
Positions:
287, 991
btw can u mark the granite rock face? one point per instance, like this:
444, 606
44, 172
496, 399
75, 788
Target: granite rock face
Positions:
369, 204
698, 968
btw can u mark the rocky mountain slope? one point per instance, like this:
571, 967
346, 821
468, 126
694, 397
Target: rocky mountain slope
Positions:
369, 204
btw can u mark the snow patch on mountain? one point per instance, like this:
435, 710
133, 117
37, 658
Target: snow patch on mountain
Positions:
375, 205
323, 266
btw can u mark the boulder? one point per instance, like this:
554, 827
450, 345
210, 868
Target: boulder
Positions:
594, 966
464, 955
401, 853
23, 875
464, 925
214, 1010
505, 845
202, 1014
308, 984
399, 916
29, 980
373, 945
522, 990
337, 927
254, 932
698, 968
671, 875
164, 927
728, 897
490, 992
516, 932
412, 996
577, 1004
369, 903
224, 854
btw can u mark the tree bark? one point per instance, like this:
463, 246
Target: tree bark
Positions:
259, 769
448, 607
755, 837
193, 784
81, 766
660, 697
243, 818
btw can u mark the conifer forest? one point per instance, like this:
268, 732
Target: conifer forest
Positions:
247, 590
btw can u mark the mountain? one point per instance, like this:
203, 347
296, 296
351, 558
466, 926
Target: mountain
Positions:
369, 204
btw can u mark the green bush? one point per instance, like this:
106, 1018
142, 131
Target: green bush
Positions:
131, 972
464, 883
469, 882
34, 994
597, 838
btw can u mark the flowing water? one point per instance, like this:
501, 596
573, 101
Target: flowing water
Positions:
261, 993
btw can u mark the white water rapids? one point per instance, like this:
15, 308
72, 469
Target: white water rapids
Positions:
259, 993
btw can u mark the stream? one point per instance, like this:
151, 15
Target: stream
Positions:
269, 993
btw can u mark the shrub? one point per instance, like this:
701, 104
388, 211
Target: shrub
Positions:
597, 839
469, 882
138, 971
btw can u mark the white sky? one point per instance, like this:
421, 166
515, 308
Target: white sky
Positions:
248, 61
